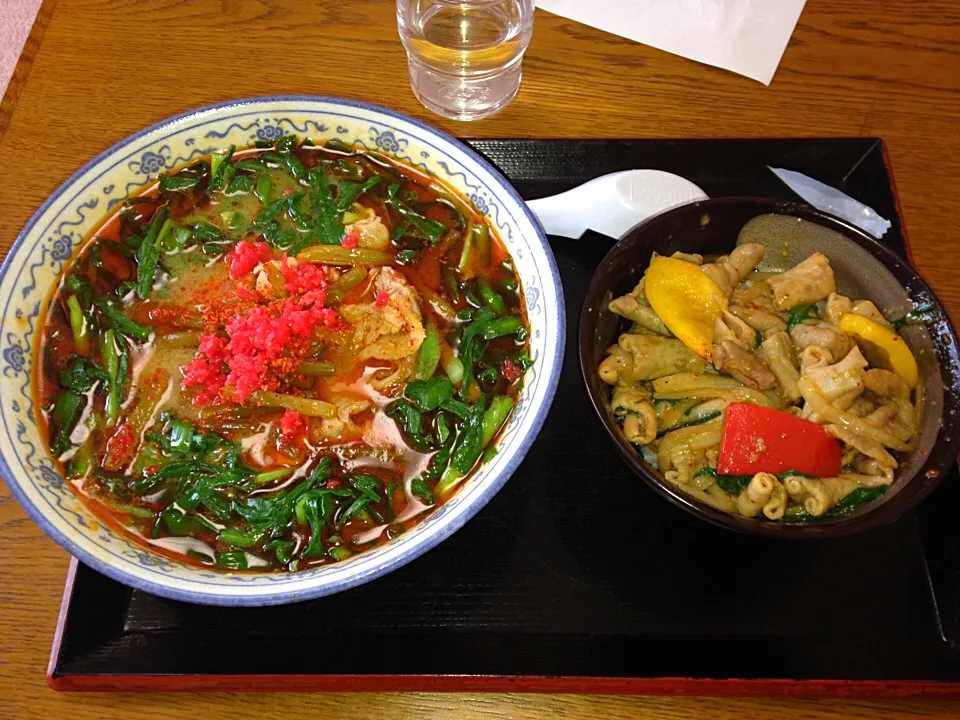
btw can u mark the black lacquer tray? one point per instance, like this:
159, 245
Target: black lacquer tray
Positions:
576, 577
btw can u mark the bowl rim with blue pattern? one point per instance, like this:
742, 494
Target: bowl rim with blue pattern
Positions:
49, 239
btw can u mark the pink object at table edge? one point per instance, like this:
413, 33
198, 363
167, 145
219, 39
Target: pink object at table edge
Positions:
16, 19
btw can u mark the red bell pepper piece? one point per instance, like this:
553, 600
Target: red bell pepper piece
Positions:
758, 439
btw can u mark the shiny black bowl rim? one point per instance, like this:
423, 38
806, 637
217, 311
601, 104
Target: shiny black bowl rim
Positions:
880, 512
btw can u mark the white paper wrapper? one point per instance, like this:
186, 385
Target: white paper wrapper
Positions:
823, 197
745, 36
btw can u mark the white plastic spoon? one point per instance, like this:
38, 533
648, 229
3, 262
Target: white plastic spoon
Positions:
612, 204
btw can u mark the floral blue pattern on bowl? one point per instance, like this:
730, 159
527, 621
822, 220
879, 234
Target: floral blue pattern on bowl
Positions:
54, 233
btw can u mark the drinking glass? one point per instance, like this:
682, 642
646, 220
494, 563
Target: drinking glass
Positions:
465, 56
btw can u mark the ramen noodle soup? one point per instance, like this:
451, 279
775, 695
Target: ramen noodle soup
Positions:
276, 357
767, 395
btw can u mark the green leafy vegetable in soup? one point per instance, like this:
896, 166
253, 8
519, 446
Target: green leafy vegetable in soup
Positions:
277, 357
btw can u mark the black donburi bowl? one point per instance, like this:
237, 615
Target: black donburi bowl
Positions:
864, 269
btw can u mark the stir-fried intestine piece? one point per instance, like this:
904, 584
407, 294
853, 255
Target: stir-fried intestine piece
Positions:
691, 381
837, 305
822, 335
722, 332
895, 417
694, 258
867, 309
680, 477
757, 494
765, 493
733, 359
861, 407
617, 367
908, 420
371, 231
886, 384
765, 302
730, 327
629, 399
867, 446
881, 416
642, 315
712, 496
685, 446
636, 358
761, 319
820, 406
807, 282
728, 271
777, 352
841, 382
867, 480
639, 293
800, 489
777, 504
817, 495
814, 357
711, 456
639, 417
873, 468
898, 415
753, 292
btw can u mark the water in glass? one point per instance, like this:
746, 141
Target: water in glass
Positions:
465, 57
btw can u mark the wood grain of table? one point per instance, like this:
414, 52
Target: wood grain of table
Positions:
95, 71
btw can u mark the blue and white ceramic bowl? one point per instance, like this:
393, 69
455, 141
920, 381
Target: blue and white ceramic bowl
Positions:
52, 235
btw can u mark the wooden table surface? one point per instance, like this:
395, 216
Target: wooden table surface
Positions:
95, 71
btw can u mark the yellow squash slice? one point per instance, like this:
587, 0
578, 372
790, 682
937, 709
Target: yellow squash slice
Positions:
882, 346
686, 300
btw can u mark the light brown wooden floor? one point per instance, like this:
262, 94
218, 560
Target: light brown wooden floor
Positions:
95, 71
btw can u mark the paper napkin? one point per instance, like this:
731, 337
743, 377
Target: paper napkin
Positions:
745, 36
